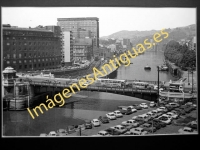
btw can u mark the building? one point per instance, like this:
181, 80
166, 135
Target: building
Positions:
81, 28
67, 47
82, 51
192, 44
27, 49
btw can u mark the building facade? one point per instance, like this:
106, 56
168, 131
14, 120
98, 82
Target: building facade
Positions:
82, 51
67, 47
27, 49
81, 28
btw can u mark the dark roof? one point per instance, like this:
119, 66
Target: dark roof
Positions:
26, 29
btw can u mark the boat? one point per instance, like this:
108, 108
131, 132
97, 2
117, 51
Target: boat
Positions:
147, 68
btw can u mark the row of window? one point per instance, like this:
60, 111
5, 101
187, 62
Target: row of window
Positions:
30, 61
32, 43
35, 66
27, 33
42, 48
30, 38
8, 56
50, 63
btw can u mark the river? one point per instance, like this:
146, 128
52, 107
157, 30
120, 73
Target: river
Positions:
20, 123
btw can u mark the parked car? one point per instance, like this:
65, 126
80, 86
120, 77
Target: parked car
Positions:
153, 114
126, 111
174, 116
120, 128
88, 124
137, 106
132, 109
180, 111
152, 104
148, 127
162, 124
130, 122
103, 119
144, 105
52, 133
165, 119
193, 125
134, 117
138, 131
150, 115
154, 124
43, 134
111, 116
174, 105
62, 132
103, 133
162, 109
113, 131
71, 129
142, 117
95, 122
187, 130
168, 116
118, 114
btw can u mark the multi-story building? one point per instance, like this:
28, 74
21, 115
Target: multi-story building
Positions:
82, 51
192, 44
81, 28
67, 47
27, 49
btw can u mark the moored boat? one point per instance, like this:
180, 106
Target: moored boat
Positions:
147, 67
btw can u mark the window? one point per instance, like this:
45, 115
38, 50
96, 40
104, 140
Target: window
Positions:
25, 66
24, 54
30, 61
14, 62
14, 55
30, 66
20, 61
8, 43
8, 62
8, 56
25, 61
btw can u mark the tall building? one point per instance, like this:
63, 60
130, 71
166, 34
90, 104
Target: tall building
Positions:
81, 28
27, 49
67, 47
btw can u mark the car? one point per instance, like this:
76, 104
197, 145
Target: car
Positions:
130, 122
111, 116
112, 131
71, 129
134, 117
103, 119
168, 116
153, 114
162, 124
152, 104
174, 116
169, 107
162, 109
126, 111
43, 134
188, 109
148, 127
187, 130
143, 117
118, 114
95, 122
144, 105
150, 115
88, 124
132, 109
52, 133
62, 132
137, 106
138, 131
154, 124
174, 105
165, 119
193, 125
103, 133
180, 111
120, 128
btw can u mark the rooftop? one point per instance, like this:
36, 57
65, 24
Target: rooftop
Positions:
76, 19
27, 29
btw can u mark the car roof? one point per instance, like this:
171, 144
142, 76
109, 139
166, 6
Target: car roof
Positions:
52, 132
103, 131
110, 113
95, 120
187, 128
119, 126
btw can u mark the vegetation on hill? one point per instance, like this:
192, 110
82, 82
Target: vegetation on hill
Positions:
180, 55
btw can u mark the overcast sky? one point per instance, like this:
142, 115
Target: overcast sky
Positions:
111, 19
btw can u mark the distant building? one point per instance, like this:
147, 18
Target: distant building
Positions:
82, 51
192, 44
112, 47
81, 27
27, 49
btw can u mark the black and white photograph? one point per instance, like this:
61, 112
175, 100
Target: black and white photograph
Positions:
98, 71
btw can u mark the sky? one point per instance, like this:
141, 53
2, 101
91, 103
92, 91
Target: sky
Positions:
111, 19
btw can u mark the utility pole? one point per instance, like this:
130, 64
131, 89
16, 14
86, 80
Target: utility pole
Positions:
158, 86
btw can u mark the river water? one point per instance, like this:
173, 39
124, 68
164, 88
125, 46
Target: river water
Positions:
20, 123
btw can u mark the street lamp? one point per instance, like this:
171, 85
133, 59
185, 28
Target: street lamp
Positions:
158, 86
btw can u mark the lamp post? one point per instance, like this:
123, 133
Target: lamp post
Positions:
158, 85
